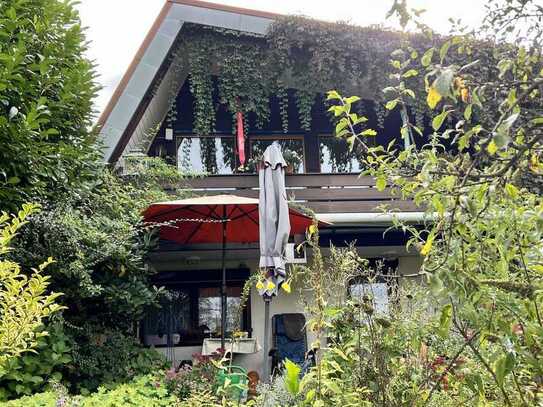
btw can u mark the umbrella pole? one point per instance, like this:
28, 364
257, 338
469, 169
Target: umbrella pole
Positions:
223, 284
267, 301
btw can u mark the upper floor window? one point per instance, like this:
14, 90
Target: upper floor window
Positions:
292, 148
336, 157
217, 154
213, 155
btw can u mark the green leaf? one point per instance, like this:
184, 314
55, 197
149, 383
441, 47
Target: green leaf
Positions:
504, 65
410, 93
427, 57
292, 377
410, 73
436, 285
468, 112
506, 125
391, 104
369, 132
381, 183
512, 191
341, 125
439, 119
352, 99
492, 148
503, 367
331, 95
443, 51
445, 320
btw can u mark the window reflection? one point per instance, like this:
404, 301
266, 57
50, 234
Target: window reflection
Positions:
170, 321
187, 316
292, 149
213, 155
376, 292
209, 310
336, 157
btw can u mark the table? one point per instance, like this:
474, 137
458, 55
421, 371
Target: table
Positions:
242, 346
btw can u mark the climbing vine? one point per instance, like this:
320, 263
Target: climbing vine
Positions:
245, 72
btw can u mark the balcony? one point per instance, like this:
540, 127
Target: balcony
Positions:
322, 193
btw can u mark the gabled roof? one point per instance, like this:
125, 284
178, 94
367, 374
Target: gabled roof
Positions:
142, 97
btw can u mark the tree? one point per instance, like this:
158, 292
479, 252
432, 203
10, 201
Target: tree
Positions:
24, 303
46, 91
479, 181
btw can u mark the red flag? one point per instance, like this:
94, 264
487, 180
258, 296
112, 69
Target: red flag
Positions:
241, 139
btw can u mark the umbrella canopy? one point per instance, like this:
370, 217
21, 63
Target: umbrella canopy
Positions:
199, 220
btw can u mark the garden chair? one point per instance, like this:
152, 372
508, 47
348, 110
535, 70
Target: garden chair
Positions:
289, 342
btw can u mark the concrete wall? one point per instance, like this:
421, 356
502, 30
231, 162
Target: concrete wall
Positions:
284, 303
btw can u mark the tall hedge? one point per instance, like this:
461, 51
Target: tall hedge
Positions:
46, 91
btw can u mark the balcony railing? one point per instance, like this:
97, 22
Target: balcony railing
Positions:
323, 193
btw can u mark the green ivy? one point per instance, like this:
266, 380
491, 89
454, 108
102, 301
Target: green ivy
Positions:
311, 57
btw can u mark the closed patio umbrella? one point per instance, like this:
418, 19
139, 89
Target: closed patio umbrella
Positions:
215, 219
275, 228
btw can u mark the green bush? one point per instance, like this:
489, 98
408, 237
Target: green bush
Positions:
142, 391
46, 88
47, 399
31, 371
109, 357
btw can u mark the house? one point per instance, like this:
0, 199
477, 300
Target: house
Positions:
159, 108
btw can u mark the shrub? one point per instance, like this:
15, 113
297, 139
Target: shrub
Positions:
24, 302
31, 371
47, 399
200, 378
142, 391
46, 90
108, 357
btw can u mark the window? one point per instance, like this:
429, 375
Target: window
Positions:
213, 155
292, 148
375, 284
209, 309
377, 292
189, 314
336, 157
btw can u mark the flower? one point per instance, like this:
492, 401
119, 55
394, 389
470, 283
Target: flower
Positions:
286, 287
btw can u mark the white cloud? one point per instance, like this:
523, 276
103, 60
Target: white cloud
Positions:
116, 28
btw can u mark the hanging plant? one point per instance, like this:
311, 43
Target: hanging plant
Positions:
282, 96
306, 55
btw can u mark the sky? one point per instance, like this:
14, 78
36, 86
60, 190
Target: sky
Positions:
116, 28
